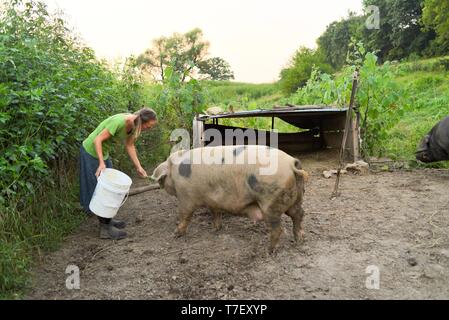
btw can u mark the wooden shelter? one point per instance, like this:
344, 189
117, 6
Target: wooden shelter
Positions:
322, 128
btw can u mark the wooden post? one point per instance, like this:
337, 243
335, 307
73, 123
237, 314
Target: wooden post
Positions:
198, 133
352, 149
355, 140
346, 133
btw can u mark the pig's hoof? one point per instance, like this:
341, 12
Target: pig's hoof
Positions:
299, 238
179, 234
272, 251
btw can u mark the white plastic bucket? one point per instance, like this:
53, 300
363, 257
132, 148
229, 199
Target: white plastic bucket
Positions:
110, 193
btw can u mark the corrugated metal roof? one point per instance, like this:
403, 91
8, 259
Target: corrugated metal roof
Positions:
297, 111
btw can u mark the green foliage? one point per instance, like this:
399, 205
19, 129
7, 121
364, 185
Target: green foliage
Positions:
176, 102
398, 103
436, 65
53, 92
428, 91
334, 42
300, 68
130, 85
14, 264
382, 103
436, 16
400, 32
379, 99
36, 223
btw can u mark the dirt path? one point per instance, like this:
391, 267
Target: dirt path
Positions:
397, 221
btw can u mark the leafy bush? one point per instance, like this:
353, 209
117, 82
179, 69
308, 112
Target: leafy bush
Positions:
53, 92
176, 103
300, 68
379, 99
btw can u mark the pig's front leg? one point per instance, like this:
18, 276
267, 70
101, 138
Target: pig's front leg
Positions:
185, 215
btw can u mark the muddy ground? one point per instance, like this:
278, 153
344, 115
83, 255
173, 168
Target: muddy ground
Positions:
396, 221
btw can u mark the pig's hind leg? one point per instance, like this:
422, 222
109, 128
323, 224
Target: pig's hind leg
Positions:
217, 216
296, 213
272, 216
273, 220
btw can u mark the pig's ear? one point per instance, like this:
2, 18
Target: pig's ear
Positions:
160, 173
424, 145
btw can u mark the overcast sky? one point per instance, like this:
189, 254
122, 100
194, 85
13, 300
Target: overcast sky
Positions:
256, 37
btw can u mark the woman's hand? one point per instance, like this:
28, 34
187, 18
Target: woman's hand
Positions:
101, 167
142, 172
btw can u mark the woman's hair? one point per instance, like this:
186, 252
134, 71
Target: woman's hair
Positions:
143, 115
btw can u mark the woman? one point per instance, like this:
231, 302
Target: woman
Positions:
94, 158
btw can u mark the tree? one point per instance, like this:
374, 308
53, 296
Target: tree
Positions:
186, 54
300, 68
181, 51
334, 42
436, 16
400, 32
216, 69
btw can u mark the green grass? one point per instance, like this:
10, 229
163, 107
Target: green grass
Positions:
31, 226
427, 85
239, 94
247, 96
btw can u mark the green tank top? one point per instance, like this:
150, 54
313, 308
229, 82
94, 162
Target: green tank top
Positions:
116, 126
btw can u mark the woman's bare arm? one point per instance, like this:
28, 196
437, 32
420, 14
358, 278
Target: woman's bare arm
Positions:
131, 149
98, 141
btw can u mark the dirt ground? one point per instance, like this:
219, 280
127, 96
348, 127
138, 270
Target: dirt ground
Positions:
395, 221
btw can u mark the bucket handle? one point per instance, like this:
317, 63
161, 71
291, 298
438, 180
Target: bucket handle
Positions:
124, 200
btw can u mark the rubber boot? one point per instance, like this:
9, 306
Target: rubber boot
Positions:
108, 231
119, 224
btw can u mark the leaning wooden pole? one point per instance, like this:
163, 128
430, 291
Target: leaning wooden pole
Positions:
135, 191
345, 134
